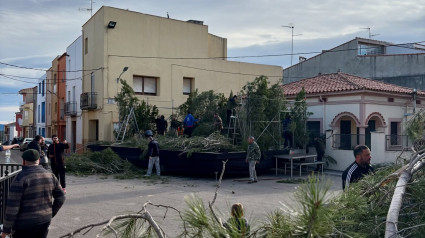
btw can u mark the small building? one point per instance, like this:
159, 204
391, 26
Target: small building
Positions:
400, 64
353, 110
26, 107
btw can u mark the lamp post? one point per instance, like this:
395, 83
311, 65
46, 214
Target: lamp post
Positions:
123, 71
292, 39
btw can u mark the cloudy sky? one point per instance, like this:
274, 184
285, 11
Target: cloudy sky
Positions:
34, 32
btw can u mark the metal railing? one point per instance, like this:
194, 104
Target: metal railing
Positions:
88, 101
348, 141
71, 108
10, 171
397, 142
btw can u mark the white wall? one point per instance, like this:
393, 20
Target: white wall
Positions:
74, 79
379, 154
41, 97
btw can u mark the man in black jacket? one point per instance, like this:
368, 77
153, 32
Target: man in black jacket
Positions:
359, 168
57, 160
35, 144
153, 153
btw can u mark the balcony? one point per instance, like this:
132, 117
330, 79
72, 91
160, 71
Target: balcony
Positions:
71, 109
397, 142
88, 101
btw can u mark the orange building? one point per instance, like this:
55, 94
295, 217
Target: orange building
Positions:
56, 91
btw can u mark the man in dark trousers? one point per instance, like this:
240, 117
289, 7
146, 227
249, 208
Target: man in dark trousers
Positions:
30, 206
57, 160
359, 168
153, 153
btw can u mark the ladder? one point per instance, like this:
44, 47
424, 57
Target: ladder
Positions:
233, 129
123, 128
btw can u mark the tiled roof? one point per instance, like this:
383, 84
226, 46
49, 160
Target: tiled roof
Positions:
340, 82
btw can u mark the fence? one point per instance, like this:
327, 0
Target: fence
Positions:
348, 141
397, 142
8, 174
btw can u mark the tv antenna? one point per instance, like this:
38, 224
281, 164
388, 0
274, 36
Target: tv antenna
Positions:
88, 9
370, 34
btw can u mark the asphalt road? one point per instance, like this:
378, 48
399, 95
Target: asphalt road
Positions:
94, 199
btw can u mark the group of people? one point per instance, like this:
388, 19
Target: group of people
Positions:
178, 128
36, 194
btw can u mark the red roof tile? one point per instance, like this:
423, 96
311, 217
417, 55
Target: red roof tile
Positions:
339, 82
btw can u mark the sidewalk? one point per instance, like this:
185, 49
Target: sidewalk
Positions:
94, 199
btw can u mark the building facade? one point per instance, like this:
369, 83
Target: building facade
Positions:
26, 108
353, 110
162, 59
74, 76
402, 64
41, 107
56, 92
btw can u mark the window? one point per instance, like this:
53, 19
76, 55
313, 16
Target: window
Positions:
39, 88
86, 48
43, 112
92, 81
366, 49
42, 90
390, 99
56, 107
145, 85
418, 101
187, 86
39, 114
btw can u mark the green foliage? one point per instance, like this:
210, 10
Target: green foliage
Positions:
103, 162
145, 114
415, 127
262, 108
203, 106
199, 220
299, 117
277, 225
314, 220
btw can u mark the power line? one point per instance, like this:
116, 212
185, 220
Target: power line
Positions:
401, 45
39, 69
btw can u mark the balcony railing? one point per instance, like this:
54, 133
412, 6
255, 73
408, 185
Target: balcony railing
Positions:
397, 142
88, 101
71, 108
347, 141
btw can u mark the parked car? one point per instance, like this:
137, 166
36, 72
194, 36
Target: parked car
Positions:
17, 140
24, 145
48, 141
6, 143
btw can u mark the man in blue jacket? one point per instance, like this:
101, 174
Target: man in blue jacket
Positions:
189, 121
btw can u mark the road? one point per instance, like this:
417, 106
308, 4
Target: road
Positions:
15, 156
94, 199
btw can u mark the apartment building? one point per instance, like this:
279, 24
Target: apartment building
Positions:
41, 107
74, 76
162, 59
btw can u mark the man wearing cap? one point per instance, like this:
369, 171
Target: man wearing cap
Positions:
253, 155
30, 207
153, 153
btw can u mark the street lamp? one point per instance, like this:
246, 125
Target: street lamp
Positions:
292, 42
123, 70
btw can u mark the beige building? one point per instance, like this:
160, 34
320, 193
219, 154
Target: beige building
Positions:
166, 59
26, 108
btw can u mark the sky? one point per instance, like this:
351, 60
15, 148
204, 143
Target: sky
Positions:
34, 32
